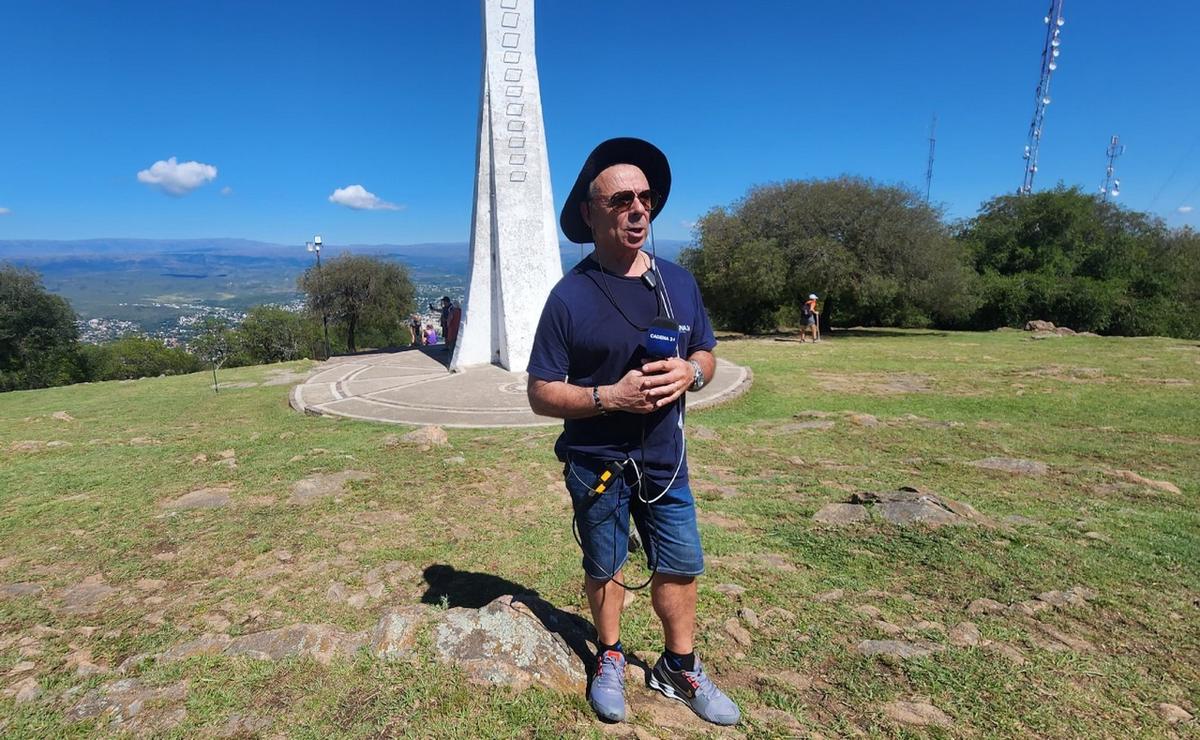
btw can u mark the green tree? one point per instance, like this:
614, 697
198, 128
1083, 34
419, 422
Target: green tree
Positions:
138, 357
365, 296
876, 254
272, 334
39, 343
1065, 256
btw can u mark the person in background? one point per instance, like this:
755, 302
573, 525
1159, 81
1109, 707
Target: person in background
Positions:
812, 318
416, 337
431, 335
452, 326
443, 309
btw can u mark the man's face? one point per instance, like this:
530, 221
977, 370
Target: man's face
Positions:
616, 229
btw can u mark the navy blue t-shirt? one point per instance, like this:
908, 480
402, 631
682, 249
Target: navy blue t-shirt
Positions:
584, 339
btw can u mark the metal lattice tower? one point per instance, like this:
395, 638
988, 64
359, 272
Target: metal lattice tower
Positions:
1050, 51
1112, 186
929, 166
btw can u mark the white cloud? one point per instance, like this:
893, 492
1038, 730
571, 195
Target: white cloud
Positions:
1185, 209
227, 191
175, 178
361, 199
4, 211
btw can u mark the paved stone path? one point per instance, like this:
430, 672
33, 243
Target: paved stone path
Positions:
413, 386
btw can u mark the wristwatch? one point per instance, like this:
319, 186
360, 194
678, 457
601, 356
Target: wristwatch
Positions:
697, 376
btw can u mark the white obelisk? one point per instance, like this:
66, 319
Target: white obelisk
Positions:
514, 240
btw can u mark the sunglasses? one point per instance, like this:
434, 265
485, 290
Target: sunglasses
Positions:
622, 200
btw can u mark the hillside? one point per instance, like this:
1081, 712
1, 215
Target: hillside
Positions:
156, 518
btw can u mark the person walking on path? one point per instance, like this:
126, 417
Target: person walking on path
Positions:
812, 318
621, 340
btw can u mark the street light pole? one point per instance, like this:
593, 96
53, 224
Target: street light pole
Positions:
315, 246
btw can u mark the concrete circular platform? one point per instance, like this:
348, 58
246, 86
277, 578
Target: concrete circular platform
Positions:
413, 386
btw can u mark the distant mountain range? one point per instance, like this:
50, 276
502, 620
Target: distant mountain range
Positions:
34, 251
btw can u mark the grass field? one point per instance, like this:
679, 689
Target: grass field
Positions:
491, 503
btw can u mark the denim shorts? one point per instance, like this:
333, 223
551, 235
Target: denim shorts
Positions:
667, 526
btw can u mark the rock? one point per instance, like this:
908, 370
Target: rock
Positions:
199, 458
985, 606
1085, 593
802, 426
828, 596
1173, 714
505, 643
27, 445
901, 649
204, 498
321, 642
1037, 325
1011, 465
228, 462
863, 420
17, 590
216, 622
134, 706
965, 634
887, 628
841, 514
455, 460
86, 597
1062, 598
203, 645
910, 505
923, 512
427, 435
868, 611
1004, 650
918, 714
1063, 331
749, 616
1028, 608
358, 600
308, 490
226, 454
62, 416
25, 690
734, 629
731, 590
24, 666
925, 625
1071, 642
1098, 537
1160, 485
395, 634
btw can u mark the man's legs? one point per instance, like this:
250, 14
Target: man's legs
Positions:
606, 599
674, 600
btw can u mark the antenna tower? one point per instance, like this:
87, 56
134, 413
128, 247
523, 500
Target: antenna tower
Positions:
1111, 185
1050, 50
929, 167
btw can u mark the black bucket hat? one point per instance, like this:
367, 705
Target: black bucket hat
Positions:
624, 150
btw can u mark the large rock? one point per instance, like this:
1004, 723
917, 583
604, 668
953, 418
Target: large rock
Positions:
204, 498
900, 649
86, 597
909, 505
516, 641
918, 714
395, 634
308, 490
427, 435
841, 514
1015, 466
1036, 325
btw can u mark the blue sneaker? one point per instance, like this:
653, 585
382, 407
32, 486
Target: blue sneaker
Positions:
607, 692
697, 690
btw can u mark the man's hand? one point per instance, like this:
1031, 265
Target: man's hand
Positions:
666, 380
627, 394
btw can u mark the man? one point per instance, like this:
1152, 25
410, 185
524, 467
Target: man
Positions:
623, 443
812, 318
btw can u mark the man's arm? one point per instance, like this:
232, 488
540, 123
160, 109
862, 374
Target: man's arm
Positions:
657, 384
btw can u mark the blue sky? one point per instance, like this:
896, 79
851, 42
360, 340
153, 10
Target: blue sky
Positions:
290, 101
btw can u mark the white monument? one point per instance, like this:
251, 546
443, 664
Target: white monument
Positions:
514, 238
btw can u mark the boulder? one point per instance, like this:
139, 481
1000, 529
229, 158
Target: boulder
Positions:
1015, 466
901, 649
1037, 325
910, 505
515, 641
428, 435
395, 634
308, 490
915, 713
841, 514
204, 498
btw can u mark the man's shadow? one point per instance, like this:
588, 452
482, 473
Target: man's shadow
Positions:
451, 587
